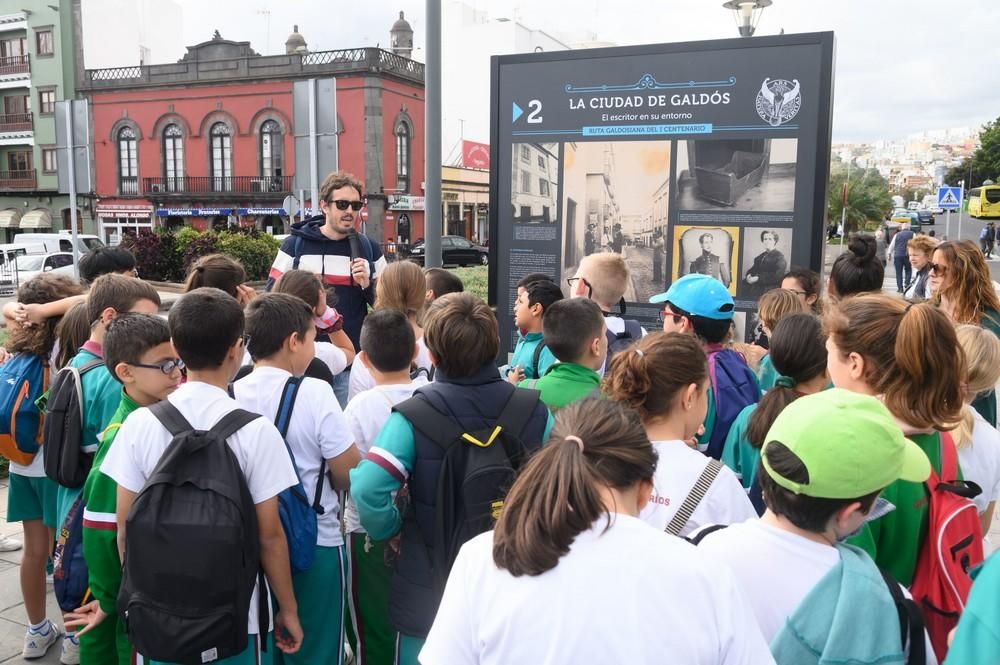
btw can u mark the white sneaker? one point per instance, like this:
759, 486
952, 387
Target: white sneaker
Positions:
70, 652
36, 644
9, 544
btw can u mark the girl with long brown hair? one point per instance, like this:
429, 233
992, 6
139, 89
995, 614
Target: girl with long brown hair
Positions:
798, 351
221, 272
31, 496
401, 287
963, 289
907, 355
571, 575
664, 376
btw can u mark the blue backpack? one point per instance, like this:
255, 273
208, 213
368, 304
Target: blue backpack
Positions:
298, 516
734, 387
23, 379
69, 568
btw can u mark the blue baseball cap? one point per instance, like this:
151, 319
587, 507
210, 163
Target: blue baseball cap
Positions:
700, 295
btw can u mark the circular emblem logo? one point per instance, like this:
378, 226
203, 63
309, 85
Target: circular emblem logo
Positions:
778, 100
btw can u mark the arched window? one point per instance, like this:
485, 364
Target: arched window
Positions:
222, 157
402, 157
128, 162
173, 158
272, 164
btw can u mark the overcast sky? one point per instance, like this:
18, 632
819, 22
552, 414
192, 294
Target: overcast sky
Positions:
902, 66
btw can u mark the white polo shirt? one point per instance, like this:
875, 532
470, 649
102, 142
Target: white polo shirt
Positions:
629, 594
677, 470
261, 453
317, 431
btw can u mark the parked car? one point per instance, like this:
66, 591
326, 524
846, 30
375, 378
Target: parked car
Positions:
32, 265
925, 216
455, 251
60, 242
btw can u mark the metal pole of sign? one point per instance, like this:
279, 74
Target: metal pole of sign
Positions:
947, 224
71, 141
432, 145
960, 199
313, 157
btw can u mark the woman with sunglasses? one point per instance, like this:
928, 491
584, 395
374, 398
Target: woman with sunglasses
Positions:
963, 289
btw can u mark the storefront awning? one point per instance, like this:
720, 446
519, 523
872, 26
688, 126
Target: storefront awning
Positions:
10, 218
40, 218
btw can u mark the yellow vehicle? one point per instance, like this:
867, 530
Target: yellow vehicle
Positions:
984, 201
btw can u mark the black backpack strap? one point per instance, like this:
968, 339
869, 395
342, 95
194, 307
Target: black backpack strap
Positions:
911, 622
233, 422
698, 492
518, 411
430, 422
700, 534
320, 482
536, 356
93, 364
297, 251
171, 418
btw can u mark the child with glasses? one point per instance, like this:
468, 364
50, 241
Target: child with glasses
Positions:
139, 356
110, 296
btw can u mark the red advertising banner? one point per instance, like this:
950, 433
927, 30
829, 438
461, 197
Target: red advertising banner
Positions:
475, 155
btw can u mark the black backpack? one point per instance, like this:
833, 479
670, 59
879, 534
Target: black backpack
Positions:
62, 428
192, 551
621, 341
477, 470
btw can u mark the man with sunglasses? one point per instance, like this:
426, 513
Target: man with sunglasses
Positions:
348, 262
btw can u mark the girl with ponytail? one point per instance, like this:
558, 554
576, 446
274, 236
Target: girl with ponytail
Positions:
664, 377
978, 442
907, 355
798, 352
570, 575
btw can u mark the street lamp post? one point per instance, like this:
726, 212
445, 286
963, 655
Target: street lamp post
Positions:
747, 14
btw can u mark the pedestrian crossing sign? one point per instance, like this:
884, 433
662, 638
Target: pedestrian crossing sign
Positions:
949, 198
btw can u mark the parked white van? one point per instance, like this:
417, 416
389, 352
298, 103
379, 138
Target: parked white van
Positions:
8, 267
59, 242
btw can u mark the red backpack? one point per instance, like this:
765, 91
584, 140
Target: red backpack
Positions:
954, 546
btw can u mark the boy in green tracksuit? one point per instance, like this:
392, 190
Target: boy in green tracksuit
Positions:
138, 353
532, 357
575, 333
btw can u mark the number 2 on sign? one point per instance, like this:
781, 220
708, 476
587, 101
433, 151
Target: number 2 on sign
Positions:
534, 117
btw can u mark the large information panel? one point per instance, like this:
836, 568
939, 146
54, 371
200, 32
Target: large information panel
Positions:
708, 157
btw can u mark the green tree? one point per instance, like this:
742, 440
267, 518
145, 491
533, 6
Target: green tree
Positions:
967, 172
986, 159
868, 196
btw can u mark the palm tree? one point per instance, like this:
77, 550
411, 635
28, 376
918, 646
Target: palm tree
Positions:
867, 197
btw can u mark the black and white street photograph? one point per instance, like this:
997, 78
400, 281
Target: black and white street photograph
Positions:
765, 260
534, 183
739, 174
617, 199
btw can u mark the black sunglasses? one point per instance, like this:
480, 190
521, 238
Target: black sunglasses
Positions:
344, 205
939, 269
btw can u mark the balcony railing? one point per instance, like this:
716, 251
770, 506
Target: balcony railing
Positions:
128, 185
238, 184
15, 122
15, 64
17, 179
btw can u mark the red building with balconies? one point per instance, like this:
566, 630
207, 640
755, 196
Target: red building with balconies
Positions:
209, 141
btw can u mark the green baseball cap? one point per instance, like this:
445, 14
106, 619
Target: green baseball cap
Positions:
849, 443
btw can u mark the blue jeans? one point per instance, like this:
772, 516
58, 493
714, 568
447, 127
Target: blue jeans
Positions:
902, 263
342, 383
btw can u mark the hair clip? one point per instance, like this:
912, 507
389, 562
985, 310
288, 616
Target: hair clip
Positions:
575, 439
785, 382
639, 352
